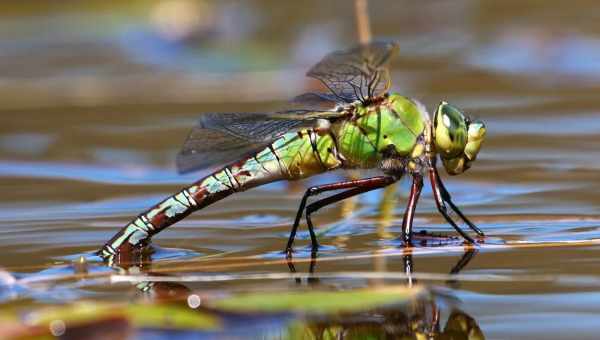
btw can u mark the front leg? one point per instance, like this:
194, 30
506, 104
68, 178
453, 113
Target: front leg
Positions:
448, 199
356, 187
441, 196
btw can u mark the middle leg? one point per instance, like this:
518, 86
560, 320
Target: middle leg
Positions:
356, 187
448, 199
407, 221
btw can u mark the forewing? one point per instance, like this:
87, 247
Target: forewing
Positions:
358, 73
255, 127
222, 138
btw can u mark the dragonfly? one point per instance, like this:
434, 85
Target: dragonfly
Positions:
356, 124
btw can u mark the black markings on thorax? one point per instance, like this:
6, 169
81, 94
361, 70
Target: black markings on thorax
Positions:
336, 148
312, 137
366, 134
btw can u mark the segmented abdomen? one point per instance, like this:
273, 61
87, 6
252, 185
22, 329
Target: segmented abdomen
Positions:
293, 156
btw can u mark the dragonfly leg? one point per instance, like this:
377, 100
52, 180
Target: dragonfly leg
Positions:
448, 199
311, 269
440, 199
464, 260
407, 221
357, 187
407, 260
462, 263
336, 198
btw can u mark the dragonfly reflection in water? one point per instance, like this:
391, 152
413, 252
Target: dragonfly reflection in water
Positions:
419, 318
358, 124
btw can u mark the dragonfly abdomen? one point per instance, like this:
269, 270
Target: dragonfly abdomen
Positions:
138, 232
302, 154
292, 156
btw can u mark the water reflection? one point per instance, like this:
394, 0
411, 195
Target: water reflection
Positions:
419, 318
421, 321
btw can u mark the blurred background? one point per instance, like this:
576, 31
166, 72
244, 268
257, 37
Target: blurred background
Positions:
93, 82
74, 70
96, 97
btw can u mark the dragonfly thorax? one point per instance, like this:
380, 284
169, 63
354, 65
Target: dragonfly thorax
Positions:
386, 134
322, 126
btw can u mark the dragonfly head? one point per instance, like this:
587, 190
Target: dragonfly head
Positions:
457, 138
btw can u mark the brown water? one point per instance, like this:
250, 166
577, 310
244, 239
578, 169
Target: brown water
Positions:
96, 100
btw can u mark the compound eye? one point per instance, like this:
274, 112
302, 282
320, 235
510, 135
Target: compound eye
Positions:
450, 131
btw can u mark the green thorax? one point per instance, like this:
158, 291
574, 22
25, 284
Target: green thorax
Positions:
396, 121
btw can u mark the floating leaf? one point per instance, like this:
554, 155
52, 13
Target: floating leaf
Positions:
318, 301
139, 315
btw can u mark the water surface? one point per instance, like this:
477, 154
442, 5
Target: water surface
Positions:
97, 99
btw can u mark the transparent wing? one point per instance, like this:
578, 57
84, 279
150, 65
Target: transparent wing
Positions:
359, 73
316, 101
255, 127
221, 138
206, 148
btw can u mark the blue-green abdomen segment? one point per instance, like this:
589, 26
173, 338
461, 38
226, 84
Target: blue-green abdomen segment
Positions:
293, 156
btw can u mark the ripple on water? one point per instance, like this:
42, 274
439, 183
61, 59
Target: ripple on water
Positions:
155, 253
303, 252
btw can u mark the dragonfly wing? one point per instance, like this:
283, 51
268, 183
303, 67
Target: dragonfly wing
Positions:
255, 127
316, 101
358, 73
207, 148
222, 138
